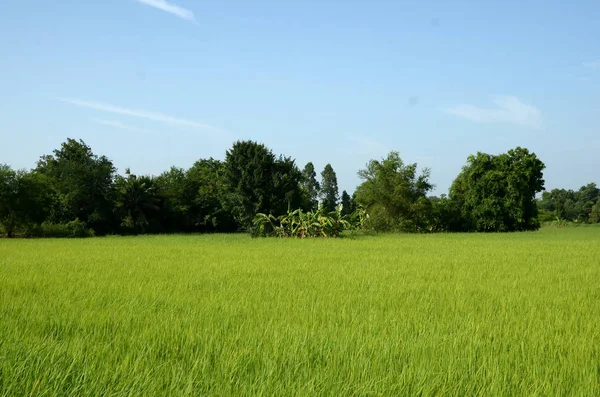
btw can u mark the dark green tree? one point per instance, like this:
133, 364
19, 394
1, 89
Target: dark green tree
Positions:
205, 180
83, 184
497, 193
176, 196
310, 186
136, 201
329, 188
595, 213
346, 203
569, 205
395, 195
24, 199
255, 181
444, 215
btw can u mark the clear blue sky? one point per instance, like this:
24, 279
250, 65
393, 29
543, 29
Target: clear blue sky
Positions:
151, 83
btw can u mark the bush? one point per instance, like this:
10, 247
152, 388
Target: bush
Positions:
73, 229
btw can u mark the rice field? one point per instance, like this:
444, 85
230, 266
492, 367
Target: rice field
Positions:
227, 315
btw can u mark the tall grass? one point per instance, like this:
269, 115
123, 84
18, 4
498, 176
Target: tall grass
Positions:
510, 314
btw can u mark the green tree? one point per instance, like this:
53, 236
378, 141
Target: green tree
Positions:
83, 184
347, 203
395, 195
24, 199
136, 201
497, 193
595, 213
329, 188
205, 179
568, 204
176, 196
255, 181
444, 215
310, 186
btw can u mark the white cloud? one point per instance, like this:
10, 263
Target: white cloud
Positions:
118, 124
143, 114
592, 65
508, 110
170, 8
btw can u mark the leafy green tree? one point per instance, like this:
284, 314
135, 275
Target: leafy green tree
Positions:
569, 205
176, 196
24, 199
255, 181
205, 179
83, 184
394, 194
595, 213
9, 199
329, 189
497, 193
287, 192
444, 215
347, 203
137, 199
310, 186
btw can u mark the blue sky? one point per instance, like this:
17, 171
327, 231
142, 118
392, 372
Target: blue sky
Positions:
151, 83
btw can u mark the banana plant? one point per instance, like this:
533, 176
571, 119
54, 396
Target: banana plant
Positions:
300, 224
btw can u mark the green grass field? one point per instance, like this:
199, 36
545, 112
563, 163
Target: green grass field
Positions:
501, 314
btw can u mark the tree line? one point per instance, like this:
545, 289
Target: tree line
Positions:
74, 192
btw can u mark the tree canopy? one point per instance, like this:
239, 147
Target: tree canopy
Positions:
395, 194
497, 193
75, 192
329, 188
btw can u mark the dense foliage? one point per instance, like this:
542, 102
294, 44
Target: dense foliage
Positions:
394, 195
497, 193
319, 223
74, 193
573, 206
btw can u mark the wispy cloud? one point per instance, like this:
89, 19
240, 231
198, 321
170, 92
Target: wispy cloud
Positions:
118, 124
143, 114
508, 110
169, 8
592, 65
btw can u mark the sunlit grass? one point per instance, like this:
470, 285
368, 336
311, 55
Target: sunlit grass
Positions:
505, 314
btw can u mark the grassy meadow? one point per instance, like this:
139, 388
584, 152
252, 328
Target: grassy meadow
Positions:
459, 314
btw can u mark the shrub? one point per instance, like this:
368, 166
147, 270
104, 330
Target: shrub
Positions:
73, 229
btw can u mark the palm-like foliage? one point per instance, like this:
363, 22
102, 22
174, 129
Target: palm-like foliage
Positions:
136, 199
303, 224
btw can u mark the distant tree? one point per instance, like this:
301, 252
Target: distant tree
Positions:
137, 199
205, 179
255, 181
394, 194
329, 188
82, 183
595, 213
176, 196
24, 199
353, 203
310, 186
444, 215
568, 204
497, 193
287, 192
346, 203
